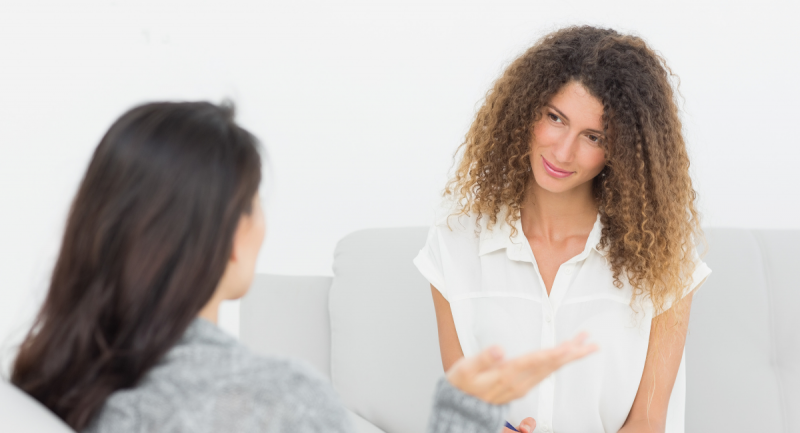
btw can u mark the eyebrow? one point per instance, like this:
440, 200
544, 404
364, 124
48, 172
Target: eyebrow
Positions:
560, 113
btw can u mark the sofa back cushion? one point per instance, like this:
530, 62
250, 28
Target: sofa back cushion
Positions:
384, 346
288, 316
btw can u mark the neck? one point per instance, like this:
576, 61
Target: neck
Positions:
210, 311
558, 215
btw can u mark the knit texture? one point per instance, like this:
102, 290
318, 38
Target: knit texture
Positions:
209, 382
454, 411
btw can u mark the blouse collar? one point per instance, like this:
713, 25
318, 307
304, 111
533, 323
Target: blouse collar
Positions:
517, 247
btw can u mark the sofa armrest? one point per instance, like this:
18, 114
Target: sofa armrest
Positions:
288, 316
20, 413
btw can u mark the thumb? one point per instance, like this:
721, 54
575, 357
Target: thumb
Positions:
528, 425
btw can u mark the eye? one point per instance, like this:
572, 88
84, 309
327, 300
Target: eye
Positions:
596, 139
553, 117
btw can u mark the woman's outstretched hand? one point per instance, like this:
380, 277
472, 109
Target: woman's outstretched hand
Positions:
492, 379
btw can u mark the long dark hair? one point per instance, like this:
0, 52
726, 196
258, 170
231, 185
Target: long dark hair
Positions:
147, 240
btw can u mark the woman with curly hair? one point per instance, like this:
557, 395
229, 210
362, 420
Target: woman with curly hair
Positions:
572, 209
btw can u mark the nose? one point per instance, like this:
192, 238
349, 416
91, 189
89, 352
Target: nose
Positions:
564, 149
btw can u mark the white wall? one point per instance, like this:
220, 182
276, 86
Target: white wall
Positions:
361, 104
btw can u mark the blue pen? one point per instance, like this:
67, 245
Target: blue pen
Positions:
511, 427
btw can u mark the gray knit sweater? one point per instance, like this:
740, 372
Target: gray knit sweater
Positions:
209, 382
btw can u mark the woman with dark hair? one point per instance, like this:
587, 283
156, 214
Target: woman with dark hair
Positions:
166, 225
572, 209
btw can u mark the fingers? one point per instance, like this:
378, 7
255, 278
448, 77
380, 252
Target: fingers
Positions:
554, 358
580, 352
489, 378
576, 348
528, 425
529, 370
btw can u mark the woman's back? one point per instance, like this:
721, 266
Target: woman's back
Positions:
209, 382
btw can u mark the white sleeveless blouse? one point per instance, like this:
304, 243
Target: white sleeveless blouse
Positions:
497, 296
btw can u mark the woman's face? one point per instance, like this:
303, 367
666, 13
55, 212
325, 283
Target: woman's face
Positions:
566, 150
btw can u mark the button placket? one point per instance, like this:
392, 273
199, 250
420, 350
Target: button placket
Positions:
547, 387
546, 403
563, 280
549, 303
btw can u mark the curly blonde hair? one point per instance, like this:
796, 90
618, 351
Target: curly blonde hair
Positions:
644, 194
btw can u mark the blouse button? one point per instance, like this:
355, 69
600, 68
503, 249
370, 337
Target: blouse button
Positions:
548, 318
568, 270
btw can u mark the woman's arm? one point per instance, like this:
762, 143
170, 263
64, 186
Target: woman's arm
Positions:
448, 339
664, 353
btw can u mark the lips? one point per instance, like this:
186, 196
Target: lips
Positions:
554, 171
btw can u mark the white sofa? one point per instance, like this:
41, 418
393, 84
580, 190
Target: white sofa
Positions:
371, 329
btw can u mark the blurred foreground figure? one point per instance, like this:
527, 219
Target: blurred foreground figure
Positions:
167, 223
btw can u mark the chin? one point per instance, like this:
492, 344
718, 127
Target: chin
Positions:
549, 184
240, 293
242, 288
